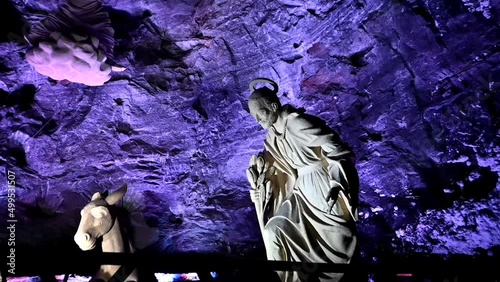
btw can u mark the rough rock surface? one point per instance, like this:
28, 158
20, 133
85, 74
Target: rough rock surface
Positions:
412, 85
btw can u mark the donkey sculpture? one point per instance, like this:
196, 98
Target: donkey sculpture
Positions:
100, 218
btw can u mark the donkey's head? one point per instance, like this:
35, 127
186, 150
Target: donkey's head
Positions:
97, 220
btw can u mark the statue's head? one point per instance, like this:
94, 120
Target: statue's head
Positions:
97, 220
264, 103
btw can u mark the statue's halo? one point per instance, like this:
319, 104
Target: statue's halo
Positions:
263, 80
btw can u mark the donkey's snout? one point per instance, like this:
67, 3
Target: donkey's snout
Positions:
83, 240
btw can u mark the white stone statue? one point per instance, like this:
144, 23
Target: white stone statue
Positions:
304, 187
99, 219
74, 44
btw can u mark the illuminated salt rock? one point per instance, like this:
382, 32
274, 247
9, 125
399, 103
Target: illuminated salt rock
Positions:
72, 60
74, 44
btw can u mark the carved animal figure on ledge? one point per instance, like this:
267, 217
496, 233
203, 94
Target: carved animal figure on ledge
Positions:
100, 218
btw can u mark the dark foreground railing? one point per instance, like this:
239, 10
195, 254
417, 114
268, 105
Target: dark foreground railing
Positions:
424, 266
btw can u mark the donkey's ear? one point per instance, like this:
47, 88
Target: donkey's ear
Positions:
96, 196
117, 195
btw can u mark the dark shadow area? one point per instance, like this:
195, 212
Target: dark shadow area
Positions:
442, 183
198, 107
454, 7
23, 97
4, 68
491, 94
147, 56
125, 23
358, 59
18, 155
357, 263
245, 275
375, 240
167, 51
4, 97
12, 24
418, 267
481, 186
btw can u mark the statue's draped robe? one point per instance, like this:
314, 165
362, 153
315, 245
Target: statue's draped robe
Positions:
310, 160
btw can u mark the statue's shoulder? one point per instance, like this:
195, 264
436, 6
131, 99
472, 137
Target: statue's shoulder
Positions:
298, 119
293, 114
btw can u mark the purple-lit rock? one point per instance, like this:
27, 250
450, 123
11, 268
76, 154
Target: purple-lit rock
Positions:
413, 86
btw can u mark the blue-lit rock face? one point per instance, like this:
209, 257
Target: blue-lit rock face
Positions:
412, 86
